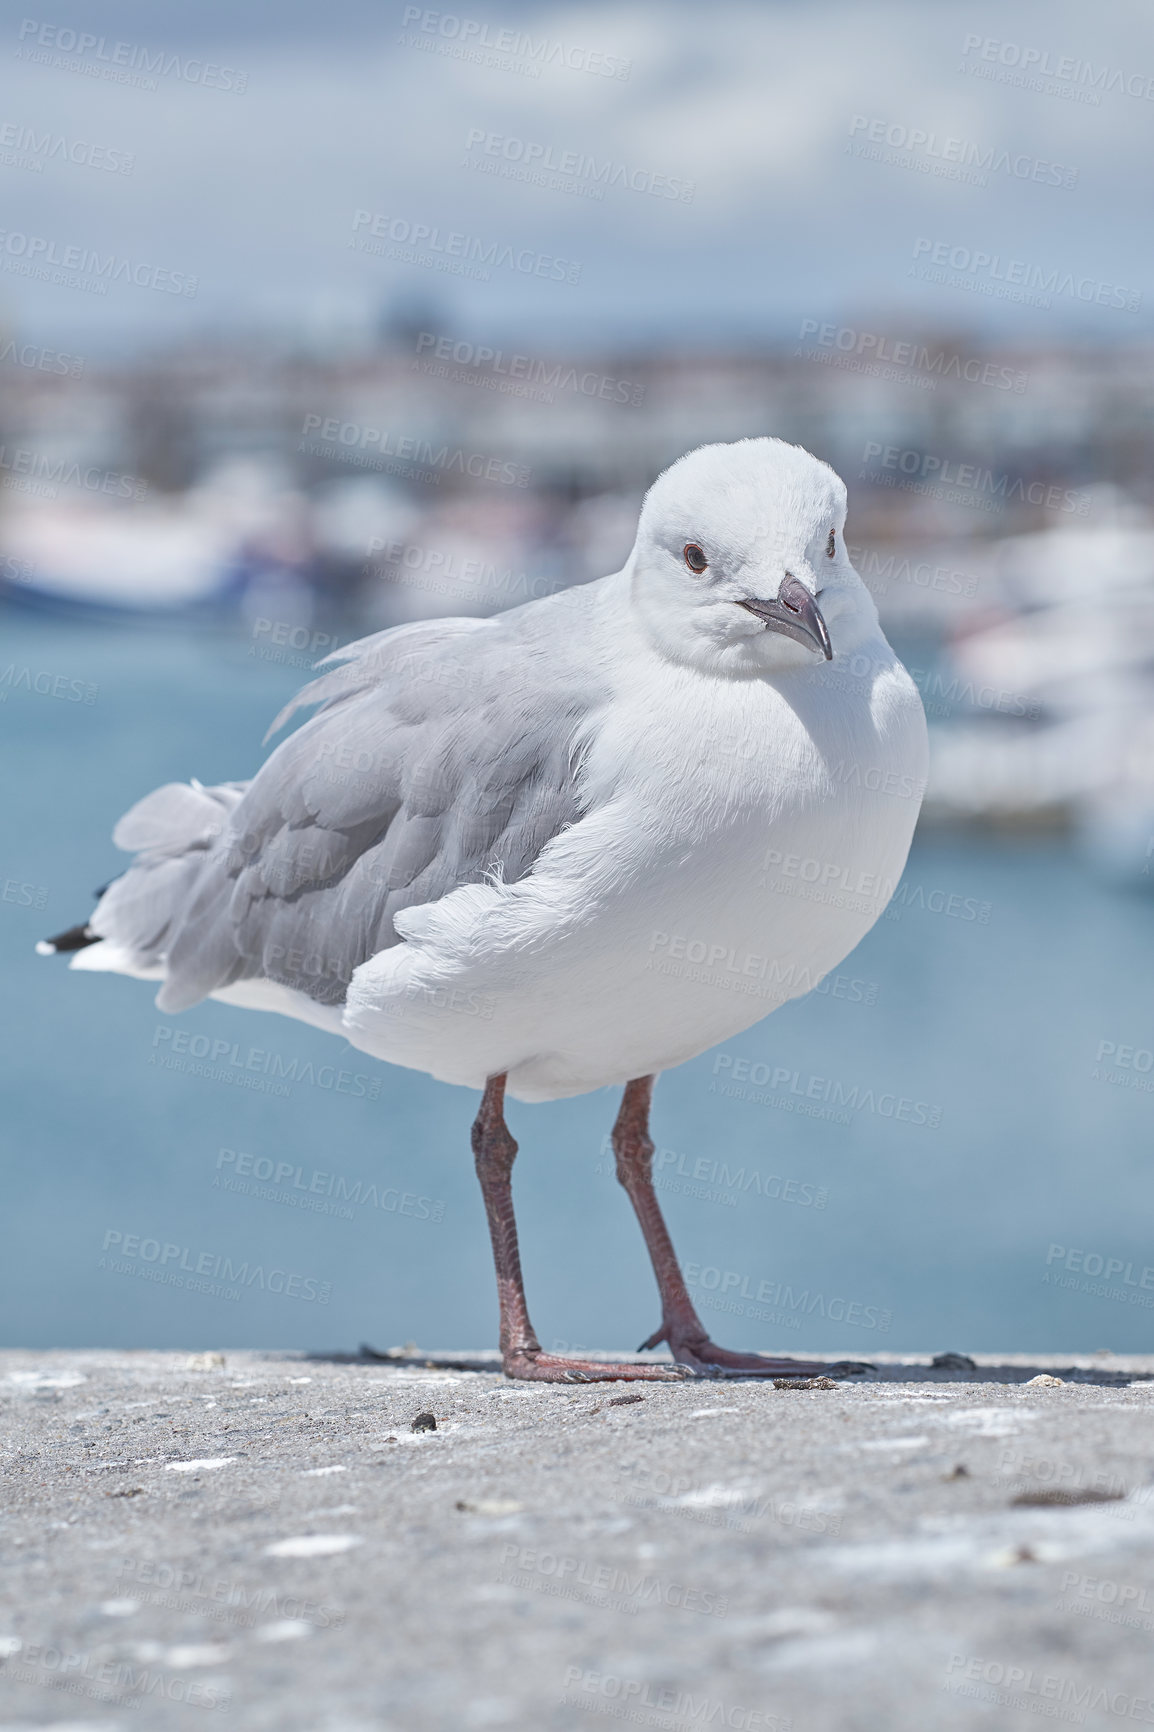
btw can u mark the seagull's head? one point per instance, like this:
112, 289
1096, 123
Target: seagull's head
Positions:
740, 566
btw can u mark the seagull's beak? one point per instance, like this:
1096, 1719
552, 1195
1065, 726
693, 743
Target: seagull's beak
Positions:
794, 614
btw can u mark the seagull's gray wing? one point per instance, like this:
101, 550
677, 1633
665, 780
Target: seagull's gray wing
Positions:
441, 754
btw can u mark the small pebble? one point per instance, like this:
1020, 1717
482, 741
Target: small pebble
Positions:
424, 1422
1045, 1381
1011, 1555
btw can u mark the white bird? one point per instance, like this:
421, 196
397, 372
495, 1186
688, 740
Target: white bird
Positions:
568, 846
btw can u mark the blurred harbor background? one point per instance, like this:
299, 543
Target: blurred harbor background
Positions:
1002, 514
194, 508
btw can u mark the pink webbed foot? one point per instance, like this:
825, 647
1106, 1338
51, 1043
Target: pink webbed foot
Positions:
704, 1357
532, 1365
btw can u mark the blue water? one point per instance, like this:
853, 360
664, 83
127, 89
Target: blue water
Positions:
960, 1039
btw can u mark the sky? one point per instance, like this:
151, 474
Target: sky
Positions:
305, 170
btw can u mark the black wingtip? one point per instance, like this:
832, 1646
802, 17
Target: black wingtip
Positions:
76, 938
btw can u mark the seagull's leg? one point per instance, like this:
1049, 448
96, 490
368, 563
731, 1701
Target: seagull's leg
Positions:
681, 1327
521, 1354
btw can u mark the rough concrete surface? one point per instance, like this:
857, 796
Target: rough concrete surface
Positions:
262, 1539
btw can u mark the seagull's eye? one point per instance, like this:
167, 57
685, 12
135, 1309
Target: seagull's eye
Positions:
831, 545
695, 558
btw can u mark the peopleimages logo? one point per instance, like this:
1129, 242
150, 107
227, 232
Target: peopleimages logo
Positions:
353, 436
323, 1192
1056, 1696
624, 1698
717, 964
1094, 1263
498, 370
887, 568
27, 148
1072, 76
46, 685
441, 571
423, 243
868, 347
34, 255
825, 1090
990, 273
175, 1265
225, 1056
1101, 1597
41, 360
952, 158
731, 1285
566, 1575
48, 472
538, 161
179, 1588
99, 57
506, 49
90, 1672
928, 472
730, 1181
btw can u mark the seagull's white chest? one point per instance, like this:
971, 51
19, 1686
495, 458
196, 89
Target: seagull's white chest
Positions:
742, 838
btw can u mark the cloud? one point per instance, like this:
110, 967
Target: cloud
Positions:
752, 104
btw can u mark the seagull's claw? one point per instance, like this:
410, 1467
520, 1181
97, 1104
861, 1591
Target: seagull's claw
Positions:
531, 1365
703, 1358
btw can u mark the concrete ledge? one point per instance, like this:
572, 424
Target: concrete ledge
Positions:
266, 1534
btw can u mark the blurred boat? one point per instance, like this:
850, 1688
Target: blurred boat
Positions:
242, 528
1066, 673
86, 555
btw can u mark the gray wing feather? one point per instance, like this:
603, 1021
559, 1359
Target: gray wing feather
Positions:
173, 831
440, 755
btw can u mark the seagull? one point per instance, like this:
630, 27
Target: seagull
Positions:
568, 846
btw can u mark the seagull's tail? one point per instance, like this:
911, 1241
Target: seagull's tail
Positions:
171, 832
